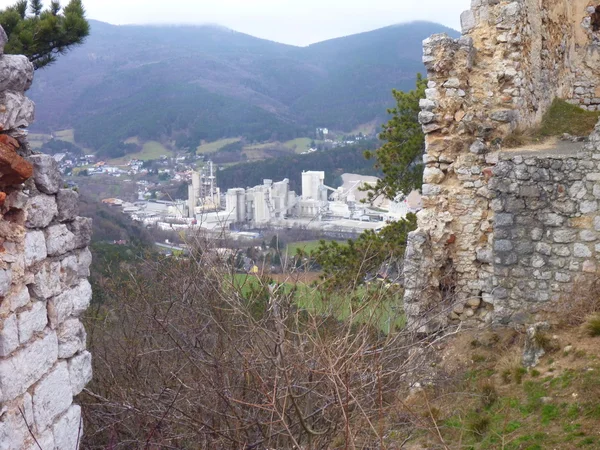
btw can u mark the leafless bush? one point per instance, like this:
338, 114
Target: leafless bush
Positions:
580, 304
187, 357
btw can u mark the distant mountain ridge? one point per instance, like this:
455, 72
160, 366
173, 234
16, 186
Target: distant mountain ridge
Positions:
184, 84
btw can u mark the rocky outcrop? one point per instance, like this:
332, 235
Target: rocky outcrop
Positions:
44, 265
513, 59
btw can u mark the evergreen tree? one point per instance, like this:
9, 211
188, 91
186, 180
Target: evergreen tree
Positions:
400, 158
43, 35
400, 161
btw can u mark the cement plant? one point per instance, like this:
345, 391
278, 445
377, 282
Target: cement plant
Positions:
239, 211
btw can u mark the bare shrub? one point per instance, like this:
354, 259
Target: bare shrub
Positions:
582, 302
188, 356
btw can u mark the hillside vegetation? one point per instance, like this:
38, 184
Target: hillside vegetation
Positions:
205, 83
334, 162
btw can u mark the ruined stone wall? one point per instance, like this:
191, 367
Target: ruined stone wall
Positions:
546, 242
500, 77
44, 265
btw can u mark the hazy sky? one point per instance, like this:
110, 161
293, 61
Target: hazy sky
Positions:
298, 22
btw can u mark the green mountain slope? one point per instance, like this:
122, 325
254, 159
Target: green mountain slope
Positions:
185, 84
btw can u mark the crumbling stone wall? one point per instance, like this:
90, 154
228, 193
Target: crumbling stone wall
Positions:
501, 76
44, 265
547, 218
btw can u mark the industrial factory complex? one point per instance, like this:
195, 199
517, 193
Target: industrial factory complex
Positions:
274, 205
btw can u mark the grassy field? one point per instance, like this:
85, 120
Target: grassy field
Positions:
306, 246
298, 145
133, 140
377, 305
150, 150
65, 135
37, 140
215, 146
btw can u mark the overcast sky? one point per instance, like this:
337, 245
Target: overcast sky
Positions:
298, 22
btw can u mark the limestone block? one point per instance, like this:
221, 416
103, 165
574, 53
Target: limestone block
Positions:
35, 247
452, 83
69, 270
5, 281
76, 266
71, 338
594, 176
44, 441
47, 281
52, 396
503, 115
46, 173
553, 220
80, 371
84, 258
433, 175
503, 245
67, 200
430, 190
81, 227
478, 147
13, 429
588, 236
581, 251
16, 110
431, 127
467, 21
16, 73
588, 206
82, 296
427, 105
17, 200
17, 299
32, 321
74, 301
9, 335
426, 117
59, 240
504, 219
41, 210
562, 277
32, 361
543, 248
564, 236
68, 429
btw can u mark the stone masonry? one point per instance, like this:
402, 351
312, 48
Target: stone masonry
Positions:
513, 59
44, 265
546, 229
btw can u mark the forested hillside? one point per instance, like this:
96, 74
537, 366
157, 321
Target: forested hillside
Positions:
182, 85
333, 162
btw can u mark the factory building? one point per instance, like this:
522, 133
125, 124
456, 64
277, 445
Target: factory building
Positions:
203, 193
314, 195
261, 204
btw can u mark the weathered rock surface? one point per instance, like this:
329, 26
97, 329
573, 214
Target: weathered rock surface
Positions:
13, 168
512, 230
46, 174
44, 265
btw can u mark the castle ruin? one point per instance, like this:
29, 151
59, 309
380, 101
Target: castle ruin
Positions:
44, 265
504, 234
